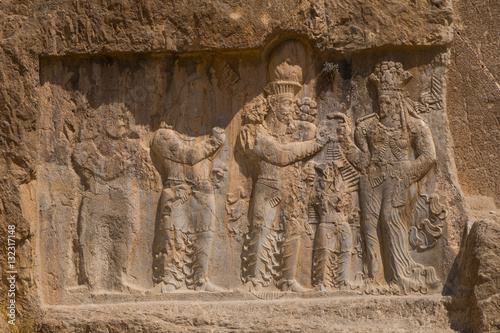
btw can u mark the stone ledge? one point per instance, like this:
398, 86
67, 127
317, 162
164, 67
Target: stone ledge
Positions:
326, 314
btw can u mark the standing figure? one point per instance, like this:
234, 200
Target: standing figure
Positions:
105, 160
333, 201
185, 231
276, 143
392, 150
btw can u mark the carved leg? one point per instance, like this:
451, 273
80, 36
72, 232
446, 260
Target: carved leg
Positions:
170, 244
83, 235
203, 245
257, 254
288, 280
344, 256
202, 218
403, 271
321, 257
100, 261
169, 261
370, 204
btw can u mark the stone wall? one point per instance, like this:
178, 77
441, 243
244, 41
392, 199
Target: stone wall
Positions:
474, 121
69, 67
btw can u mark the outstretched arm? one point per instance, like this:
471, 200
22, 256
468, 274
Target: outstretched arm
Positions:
267, 148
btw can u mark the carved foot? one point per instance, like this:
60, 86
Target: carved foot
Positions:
249, 287
161, 288
293, 286
322, 287
207, 286
132, 289
344, 286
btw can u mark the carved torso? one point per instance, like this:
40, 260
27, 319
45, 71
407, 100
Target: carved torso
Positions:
387, 144
184, 158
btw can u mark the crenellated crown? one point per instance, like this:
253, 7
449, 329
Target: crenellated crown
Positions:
285, 69
390, 76
282, 87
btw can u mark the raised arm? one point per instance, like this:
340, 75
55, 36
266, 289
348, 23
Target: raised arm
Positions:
167, 144
357, 152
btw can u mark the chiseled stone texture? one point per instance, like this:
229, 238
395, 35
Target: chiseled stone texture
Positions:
337, 314
41, 180
476, 280
474, 117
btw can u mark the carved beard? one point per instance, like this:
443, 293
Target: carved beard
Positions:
286, 117
388, 109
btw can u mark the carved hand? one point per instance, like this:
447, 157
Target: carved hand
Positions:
219, 134
323, 138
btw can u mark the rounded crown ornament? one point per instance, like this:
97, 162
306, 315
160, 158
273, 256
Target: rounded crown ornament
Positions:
285, 69
389, 76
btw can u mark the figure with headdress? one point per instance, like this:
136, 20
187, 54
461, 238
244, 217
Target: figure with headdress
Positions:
392, 150
276, 141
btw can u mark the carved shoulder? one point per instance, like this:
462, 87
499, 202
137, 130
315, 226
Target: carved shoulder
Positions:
363, 124
418, 127
164, 133
367, 119
165, 142
248, 135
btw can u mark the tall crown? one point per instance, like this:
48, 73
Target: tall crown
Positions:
282, 87
390, 76
285, 69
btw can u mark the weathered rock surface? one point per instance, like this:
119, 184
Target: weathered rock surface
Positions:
476, 280
474, 116
338, 314
80, 86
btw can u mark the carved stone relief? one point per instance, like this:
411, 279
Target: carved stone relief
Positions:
279, 142
383, 151
284, 170
105, 238
187, 204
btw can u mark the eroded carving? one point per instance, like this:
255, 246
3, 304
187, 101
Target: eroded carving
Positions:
333, 200
186, 224
237, 210
285, 203
393, 150
278, 135
103, 157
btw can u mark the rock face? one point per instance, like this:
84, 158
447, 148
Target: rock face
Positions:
475, 280
474, 117
154, 151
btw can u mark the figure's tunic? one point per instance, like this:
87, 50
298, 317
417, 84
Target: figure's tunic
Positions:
274, 159
187, 205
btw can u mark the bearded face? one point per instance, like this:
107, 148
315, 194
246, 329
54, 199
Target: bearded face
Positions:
387, 106
284, 107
